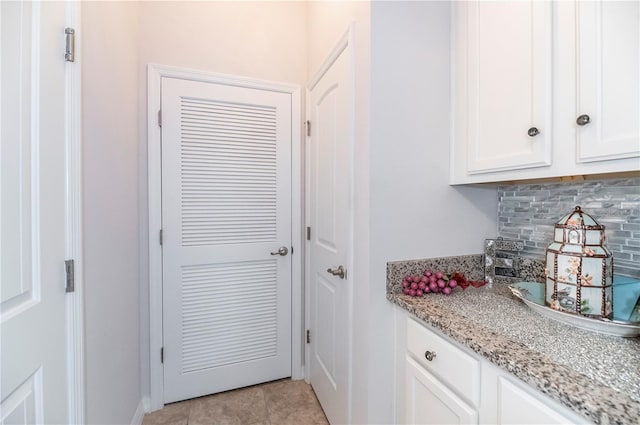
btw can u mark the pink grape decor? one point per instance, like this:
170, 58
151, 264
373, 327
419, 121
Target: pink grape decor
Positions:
430, 282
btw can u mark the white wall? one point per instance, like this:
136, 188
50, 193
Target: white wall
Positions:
110, 195
263, 40
414, 213
403, 203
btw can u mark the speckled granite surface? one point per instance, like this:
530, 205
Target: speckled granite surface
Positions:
597, 376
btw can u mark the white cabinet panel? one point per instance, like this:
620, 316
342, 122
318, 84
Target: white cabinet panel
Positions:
507, 122
608, 72
517, 405
461, 370
429, 401
520, 65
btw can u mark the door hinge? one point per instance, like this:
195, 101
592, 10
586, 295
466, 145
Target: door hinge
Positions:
161, 354
308, 124
308, 233
308, 336
160, 236
160, 118
70, 45
69, 267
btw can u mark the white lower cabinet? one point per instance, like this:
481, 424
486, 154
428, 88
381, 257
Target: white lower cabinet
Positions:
508, 400
430, 401
444, 383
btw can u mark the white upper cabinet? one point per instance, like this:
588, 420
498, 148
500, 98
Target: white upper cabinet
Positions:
545, 89
608, 87
505, 90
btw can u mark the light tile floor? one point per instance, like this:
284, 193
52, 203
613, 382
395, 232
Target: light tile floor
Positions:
283, 402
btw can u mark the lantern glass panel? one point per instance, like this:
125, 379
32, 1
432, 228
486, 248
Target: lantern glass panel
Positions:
593, 237
567, 297
556, 247
577, 249
591, 301
592, 271
558, 235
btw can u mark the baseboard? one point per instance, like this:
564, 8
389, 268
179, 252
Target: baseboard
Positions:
146, 404
139, 415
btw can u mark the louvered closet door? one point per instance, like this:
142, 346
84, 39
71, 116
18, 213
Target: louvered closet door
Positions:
226, 205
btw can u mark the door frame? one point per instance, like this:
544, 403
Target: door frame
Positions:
345, 41
73, 217
155, 72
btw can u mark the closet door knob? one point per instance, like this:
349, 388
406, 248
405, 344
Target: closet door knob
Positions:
283, 250
583, 120
533, 131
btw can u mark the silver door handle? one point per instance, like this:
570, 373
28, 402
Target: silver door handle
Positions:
283, 250
340, 271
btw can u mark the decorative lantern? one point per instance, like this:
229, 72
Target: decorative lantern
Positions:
579, 268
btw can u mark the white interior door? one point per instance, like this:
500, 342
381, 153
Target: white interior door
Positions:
32, 292
226, 212
331, 142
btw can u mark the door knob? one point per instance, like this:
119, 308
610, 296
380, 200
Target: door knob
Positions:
430, 355
583, 120
283, 250
340, 271
533, 131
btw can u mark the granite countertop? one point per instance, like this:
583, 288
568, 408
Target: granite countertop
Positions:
597, 376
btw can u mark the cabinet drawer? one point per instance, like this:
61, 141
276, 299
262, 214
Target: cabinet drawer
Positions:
428, 401
459, 370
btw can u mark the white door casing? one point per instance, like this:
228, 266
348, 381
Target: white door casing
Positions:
226, 211
330, 218
42, 353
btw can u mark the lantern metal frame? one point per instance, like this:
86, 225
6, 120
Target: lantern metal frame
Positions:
575, 233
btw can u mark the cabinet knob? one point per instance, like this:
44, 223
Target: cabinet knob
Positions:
533, 131
429, 355
583, 120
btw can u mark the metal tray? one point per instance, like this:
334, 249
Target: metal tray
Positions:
529, 293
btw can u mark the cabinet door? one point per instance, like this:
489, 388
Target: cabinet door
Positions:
517, 405
504, 78
608, 72
429, 401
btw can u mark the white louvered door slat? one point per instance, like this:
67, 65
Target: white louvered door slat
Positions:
226, 205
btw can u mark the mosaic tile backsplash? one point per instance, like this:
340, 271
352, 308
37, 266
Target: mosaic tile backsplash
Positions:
527, 212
